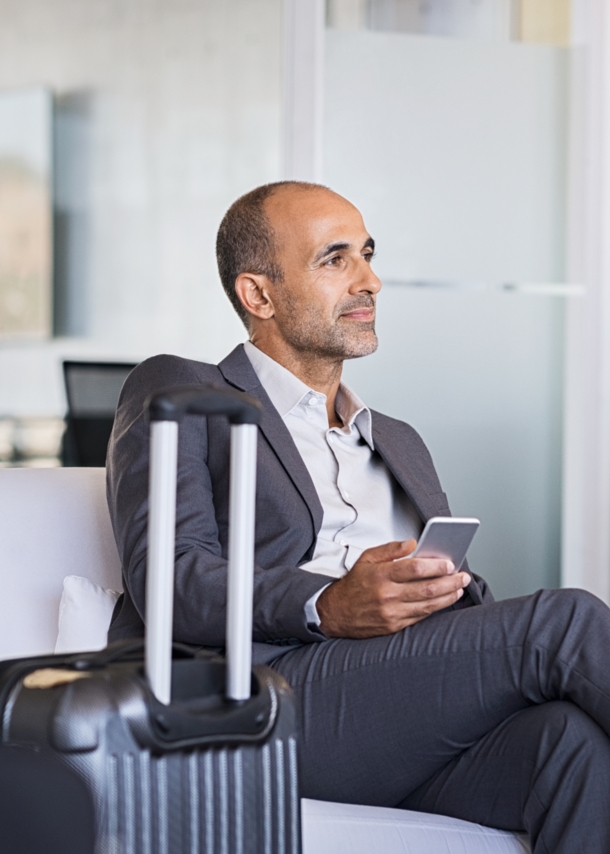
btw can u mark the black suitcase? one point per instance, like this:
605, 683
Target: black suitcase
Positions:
213, 770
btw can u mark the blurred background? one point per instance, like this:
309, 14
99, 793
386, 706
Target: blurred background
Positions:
473, 136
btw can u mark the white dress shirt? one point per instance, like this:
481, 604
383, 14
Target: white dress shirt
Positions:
362, 502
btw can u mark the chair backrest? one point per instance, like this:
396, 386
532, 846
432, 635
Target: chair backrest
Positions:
53, 523
92, 391
93, 388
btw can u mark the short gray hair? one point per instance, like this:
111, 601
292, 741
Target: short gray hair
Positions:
246, 242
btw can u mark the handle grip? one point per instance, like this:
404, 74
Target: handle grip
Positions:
173, 404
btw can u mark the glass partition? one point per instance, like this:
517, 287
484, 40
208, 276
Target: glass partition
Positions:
455, 151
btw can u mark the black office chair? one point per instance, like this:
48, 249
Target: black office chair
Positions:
92, 390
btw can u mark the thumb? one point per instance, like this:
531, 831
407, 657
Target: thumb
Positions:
388, 551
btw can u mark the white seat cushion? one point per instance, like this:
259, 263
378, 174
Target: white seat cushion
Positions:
53, 523
330, 828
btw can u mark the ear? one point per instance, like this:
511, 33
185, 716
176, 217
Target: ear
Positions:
252, 290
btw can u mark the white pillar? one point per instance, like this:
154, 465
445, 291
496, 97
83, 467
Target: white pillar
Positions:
304, 22
586, 505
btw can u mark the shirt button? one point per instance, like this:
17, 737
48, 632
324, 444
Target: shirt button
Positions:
346, 494
342, 543
313, 401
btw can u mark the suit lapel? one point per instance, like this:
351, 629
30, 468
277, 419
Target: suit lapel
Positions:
408, 473
238, 371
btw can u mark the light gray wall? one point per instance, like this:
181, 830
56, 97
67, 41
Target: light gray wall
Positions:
166, 111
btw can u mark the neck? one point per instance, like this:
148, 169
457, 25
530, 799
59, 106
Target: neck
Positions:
320, 373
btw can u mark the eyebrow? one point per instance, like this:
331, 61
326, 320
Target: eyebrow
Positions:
339, 247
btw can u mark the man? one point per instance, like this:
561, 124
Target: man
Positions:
415, 688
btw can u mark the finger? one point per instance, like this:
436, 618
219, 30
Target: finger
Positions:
410, 569
428, 589
415, 612
388, 552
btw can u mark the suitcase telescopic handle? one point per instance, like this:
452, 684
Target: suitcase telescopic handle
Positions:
166, 409
174, 403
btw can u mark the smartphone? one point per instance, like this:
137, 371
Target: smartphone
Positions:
446, 537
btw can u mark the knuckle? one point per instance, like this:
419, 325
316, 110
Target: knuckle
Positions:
391, 617
387, 611
382, 609
420, 568
412, 568
382, 595
431, 590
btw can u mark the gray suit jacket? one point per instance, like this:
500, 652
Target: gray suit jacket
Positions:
288, 511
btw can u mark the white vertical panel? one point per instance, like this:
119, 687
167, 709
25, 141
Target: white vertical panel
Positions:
586, 519
303, 88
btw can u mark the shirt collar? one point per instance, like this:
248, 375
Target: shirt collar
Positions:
352, 410
286, 391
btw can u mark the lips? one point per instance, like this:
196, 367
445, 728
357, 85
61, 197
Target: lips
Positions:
362, 314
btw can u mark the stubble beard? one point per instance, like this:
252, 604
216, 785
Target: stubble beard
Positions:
310, 334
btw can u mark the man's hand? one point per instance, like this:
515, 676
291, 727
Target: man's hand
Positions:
382, 594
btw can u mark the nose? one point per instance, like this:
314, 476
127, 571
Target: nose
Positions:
367, 281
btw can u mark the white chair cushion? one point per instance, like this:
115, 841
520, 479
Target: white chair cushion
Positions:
85, 612
330, 828
53, 523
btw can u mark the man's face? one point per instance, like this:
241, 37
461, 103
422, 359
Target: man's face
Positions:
325, 305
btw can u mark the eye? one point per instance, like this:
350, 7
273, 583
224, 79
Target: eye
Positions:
333, 262
368, 256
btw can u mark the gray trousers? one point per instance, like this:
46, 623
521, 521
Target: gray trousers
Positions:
497, 714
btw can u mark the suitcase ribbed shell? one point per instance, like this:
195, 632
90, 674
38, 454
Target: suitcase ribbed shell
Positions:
217, 798
240, 800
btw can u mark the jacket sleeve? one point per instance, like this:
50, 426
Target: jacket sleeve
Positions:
280, 592
485, 589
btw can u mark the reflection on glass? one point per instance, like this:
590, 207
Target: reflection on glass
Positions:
25, 214
540, 21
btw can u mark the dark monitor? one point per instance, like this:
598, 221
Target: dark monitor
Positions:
92, 390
